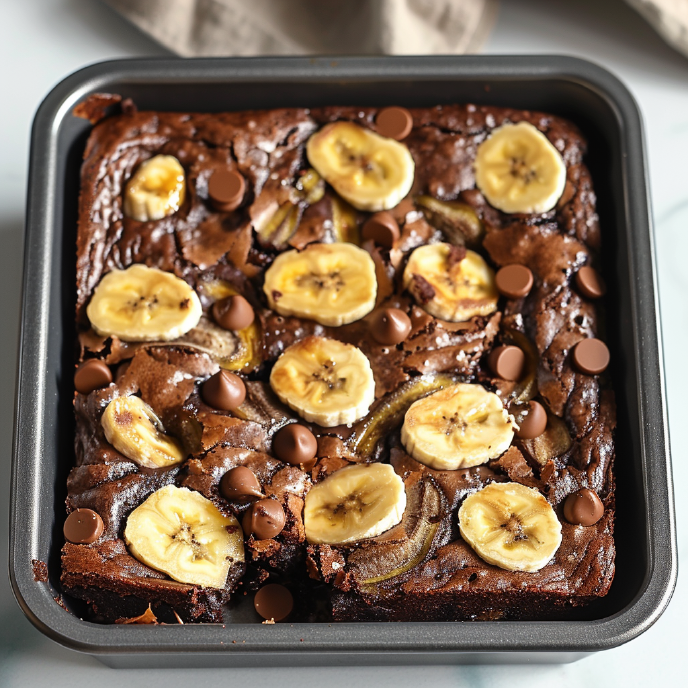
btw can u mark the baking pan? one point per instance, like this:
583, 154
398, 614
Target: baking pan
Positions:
43, 443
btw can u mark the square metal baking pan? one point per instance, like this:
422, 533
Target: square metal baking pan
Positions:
43, 444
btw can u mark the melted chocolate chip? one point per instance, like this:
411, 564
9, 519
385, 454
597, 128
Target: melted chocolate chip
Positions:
296, 445
591, 356
382, 228
583, 508
273, 602
421, 288
589, 283
394, 123
264, 519
455, 255
514, 281
532, 423
480, 473
93, 374
507, 362
226, 189
330, 447
239, 484
224, 391
419, 318
83, 527
233, 313
389, 325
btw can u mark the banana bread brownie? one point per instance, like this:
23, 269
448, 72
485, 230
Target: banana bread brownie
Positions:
345, 361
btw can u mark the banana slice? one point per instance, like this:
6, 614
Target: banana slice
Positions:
156, 190
511, 526
324, 381
518, 170
333, 284
354, 503
449, 286
458, 427
133, 429
368, 170
183, 534
142, 304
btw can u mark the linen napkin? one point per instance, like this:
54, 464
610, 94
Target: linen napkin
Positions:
669, 17
195, 28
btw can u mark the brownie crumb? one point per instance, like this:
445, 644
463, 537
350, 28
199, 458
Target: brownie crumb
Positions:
129, 107
40, 571
59, 601
95, 107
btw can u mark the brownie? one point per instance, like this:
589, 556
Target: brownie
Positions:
437, 575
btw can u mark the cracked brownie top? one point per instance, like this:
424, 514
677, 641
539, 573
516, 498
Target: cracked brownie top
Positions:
345, 357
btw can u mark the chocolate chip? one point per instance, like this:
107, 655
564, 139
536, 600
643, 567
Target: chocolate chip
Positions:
265, 519
239, 484
591, 356
382, 228
514, 281
233, 313
394, 123
421, 288
590, 283
93, 374
296, 445
532, 423
273, 602
226, 189
83, 527
583, 508
389, 325
507, 362
224, 391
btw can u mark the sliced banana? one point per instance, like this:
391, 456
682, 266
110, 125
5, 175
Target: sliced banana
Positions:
368, 170
453, 290
183, 534
133, 429
354, 503
142, 304
458, 427
324, 381
333, 284
511, 526
156, 190
518, 170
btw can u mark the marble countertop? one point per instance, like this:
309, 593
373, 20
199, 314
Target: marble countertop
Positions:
45, 40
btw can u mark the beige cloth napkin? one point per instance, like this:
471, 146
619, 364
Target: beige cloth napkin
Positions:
346, 27
669, 17
290, 27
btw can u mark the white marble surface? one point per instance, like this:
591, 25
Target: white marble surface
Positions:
44, 40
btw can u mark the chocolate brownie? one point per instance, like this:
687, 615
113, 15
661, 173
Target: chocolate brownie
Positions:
199, 403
